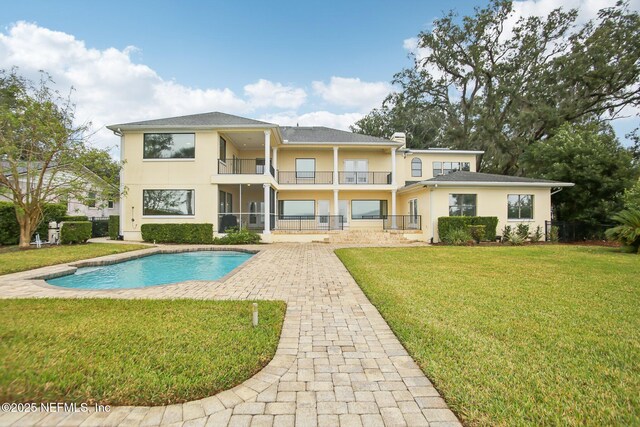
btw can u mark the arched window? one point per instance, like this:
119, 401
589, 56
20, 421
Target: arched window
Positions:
416, 167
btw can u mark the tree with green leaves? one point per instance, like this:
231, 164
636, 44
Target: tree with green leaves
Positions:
591, 157
474, 84
42, 150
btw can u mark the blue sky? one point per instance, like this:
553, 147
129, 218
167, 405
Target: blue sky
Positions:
307, 62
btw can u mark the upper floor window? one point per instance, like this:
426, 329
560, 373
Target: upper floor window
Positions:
416, 167
223, 149
91, 199
520, 206
462, 204
169, 146
305, 168
443, 168
168, 202
110, 204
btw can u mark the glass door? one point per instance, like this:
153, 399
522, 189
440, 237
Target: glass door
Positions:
356, 171
343, 209
323, 212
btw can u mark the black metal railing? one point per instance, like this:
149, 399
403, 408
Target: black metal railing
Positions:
574, 231
309, 223
243, 167
299, 177
375, 178
402, 222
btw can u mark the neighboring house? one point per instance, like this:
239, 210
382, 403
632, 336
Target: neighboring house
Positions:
296, 183
91, 206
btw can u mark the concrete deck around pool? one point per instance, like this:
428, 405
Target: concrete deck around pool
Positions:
337, 363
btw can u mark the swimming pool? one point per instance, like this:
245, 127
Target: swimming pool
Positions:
158, 269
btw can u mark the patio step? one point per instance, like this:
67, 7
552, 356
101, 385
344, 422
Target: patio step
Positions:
366, 237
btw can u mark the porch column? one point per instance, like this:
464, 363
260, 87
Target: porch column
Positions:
275, 159
393, 168
336, 208
267, 152
335, 165
267, 204
393, 209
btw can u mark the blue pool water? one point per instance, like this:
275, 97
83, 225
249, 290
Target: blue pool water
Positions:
160, 269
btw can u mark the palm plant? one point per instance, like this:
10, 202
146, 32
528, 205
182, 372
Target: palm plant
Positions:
628, 230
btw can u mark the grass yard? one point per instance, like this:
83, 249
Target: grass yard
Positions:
533, 335
13, 259
131, 352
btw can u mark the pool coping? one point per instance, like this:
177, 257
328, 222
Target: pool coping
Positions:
39, 276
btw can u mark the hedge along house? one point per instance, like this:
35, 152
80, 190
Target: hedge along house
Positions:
306, 183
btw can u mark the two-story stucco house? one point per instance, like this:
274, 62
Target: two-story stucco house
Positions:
307, 183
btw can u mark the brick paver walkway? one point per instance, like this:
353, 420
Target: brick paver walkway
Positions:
337, 363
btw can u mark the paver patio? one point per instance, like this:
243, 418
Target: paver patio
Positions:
337, 363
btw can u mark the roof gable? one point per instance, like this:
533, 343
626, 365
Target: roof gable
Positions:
212, 119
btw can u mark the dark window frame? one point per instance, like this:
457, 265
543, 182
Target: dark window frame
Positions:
144, 140
519, 206
193, 198
440, 170
384, 213
222, 150
110, 204
463, 205
282, 215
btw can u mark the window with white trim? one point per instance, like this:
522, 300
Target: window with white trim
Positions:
520, 206
168, 202
416, 167
462, 204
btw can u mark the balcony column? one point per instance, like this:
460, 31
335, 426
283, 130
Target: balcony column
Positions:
267, 152
335, 165
275, 159
336, 208
394, 224
267, 204
393, 167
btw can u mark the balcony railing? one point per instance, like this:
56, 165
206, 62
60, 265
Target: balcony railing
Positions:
242, 167
402, 222
299, 177
246, 220
309, 223
375, 178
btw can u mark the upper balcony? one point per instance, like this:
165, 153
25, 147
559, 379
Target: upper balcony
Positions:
327, 177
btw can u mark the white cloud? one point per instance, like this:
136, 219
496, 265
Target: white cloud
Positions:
316, 118
352, 92
264, 93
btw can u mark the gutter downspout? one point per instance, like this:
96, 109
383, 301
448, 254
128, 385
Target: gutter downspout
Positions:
431, 213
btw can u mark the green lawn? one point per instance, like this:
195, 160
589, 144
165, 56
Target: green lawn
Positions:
13, 259
533, 335
131, 352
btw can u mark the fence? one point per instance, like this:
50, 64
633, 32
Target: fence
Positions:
99, 227
402, 222
575, 231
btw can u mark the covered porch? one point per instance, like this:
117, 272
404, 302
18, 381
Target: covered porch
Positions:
248, 206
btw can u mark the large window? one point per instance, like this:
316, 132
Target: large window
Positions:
305, 168
297, 208
416, 167
169, 146
368, 209
462, 204
520, 206
443, 168
168, 202
223, 149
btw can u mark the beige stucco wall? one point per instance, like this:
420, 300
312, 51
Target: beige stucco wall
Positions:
492, 201
404, 164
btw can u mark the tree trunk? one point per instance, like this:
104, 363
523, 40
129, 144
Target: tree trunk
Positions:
25, 232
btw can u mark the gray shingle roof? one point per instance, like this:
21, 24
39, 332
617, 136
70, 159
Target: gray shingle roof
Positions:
320, 134
478, 177
213, 119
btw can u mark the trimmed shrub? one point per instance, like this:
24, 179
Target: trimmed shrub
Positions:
9, 228
75, 232
446, 223
237, 236
177, 233
114, 226
506, 233
457, 236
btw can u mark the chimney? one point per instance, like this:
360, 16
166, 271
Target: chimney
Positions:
400, 137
